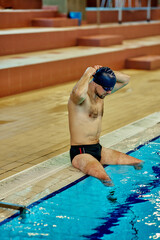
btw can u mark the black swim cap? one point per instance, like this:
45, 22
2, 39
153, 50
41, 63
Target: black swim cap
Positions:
105, 77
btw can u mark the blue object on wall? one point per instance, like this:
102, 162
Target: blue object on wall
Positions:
77, 15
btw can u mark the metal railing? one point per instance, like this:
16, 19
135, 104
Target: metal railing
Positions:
120, 6
118, 3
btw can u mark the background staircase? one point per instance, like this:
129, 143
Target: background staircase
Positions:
41, 48
32, 17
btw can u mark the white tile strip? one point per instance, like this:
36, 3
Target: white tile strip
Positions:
130, 130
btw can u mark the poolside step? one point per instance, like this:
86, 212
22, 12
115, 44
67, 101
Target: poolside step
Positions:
149, 62
21, 4
15, 41
29, 71
100, 40
54, 22
23, 18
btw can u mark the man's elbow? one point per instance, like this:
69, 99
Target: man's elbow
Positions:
122, 78
127, 79
78, 93
77, 96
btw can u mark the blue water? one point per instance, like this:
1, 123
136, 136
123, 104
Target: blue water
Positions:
88, 210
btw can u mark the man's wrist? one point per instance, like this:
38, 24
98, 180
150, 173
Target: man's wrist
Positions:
88, 75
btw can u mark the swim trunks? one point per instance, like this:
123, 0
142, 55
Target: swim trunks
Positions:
92, 149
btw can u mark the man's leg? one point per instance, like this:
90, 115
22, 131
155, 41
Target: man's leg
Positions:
113, 157
91, 166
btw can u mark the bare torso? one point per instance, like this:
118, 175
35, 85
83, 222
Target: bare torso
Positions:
85, 121
85, 108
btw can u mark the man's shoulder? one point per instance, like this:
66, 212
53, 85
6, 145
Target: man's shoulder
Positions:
77, 101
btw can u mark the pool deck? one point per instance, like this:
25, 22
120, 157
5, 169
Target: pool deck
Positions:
35, 138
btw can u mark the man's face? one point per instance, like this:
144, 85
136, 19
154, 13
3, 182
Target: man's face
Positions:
101, 92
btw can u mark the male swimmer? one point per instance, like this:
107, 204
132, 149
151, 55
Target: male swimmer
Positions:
85, 108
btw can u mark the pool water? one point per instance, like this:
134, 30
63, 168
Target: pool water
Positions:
88, 210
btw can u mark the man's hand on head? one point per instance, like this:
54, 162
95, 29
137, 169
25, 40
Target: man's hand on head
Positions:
97, 67
90, 71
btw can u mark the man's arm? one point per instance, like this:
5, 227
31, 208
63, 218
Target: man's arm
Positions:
122, 80
79, 92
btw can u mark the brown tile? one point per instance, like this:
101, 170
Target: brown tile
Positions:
4, 83
11, 166
6, 174
14, 81
23, 167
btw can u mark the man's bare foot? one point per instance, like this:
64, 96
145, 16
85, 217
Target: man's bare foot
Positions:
107, 183
139, 166
111, 197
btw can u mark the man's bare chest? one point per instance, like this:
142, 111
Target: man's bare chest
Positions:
94, 110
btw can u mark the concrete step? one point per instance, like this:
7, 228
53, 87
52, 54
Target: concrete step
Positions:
100, 40
15, 41
21, 4
23, 18
29, 71
54, 22
149, 62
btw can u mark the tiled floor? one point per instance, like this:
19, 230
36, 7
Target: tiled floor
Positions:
34, 125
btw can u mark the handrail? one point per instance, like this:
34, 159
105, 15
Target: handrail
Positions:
120, 5
21, 208
149, 11
108, 3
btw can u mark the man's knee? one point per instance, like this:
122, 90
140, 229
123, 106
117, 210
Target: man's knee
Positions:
96, 170
84, 166
80, 162
90, 166
75, 163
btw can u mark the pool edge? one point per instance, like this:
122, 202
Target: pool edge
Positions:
124, 139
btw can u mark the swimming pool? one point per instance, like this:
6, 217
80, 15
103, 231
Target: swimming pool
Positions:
88, 210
